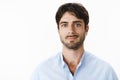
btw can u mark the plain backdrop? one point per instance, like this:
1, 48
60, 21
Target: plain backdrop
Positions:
28, 34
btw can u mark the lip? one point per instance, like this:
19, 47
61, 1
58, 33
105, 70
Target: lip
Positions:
71, 37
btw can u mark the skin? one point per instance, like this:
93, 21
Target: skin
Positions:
72, 32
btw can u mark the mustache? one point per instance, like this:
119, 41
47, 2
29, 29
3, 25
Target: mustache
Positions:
72, 35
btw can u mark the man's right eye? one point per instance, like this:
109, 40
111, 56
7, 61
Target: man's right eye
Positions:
63, 25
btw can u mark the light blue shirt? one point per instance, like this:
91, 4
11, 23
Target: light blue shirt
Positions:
89, 68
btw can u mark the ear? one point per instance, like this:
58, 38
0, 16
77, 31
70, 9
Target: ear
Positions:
58, 31
87, 29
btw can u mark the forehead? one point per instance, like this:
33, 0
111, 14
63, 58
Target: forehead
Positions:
69, 17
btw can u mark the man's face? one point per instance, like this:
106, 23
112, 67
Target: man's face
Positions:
72, 31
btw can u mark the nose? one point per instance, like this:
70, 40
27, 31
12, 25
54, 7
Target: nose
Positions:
70, 29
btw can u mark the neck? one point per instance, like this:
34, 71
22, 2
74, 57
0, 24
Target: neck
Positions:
72, 57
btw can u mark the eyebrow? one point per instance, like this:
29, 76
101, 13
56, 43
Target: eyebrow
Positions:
77, 21
63, 22
73, 22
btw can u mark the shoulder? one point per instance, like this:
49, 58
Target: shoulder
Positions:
44, 67
51, 61
100, 66
48, 63
91, 58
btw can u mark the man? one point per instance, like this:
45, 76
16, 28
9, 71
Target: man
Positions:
73, 63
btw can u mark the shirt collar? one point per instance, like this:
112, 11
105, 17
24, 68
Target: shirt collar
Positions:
80, 63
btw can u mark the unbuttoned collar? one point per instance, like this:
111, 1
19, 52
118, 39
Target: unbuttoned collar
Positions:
63, 64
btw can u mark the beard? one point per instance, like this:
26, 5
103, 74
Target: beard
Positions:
72, 44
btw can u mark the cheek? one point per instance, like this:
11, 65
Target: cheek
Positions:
62, 35
62, 32
80, 31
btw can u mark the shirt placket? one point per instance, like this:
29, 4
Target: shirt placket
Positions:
69, 75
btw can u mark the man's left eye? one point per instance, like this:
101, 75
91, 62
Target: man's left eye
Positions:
77, 25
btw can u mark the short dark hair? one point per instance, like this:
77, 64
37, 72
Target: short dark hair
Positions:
77, 8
